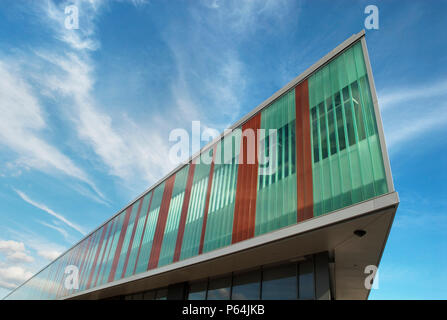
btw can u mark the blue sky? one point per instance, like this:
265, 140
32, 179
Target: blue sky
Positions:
86, 114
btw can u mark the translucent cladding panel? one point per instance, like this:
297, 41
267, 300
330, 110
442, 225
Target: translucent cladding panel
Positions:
97, 266
106, 260
148, 236
219, 226
219, 289
346, 154
276, 201
138, 234
123, 254
246, 286
172, 222
194, 219
118, 222
279, 283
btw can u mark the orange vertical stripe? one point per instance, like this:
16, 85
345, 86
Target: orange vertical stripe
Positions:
98, 250
161, 223
120, 244
184, 213
129, 248
142, 234
303, 153
246, 188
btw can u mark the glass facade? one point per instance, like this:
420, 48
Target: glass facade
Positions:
289, 281
347, 162
327, 156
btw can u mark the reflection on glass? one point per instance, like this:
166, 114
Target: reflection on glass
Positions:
219, 289
149, 295
279, 283
197, 291
307, 283
162, 294
138, 296
246, 286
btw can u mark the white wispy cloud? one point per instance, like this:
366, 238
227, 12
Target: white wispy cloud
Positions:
392, 98
21, 126
125, 146
61, 230
49, 255
50, 212
413, 112
12, 276
15, 251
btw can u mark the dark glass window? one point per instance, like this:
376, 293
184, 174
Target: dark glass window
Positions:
161, 294
197, 290
280, 149
279, 283
330, 119
149, 295
219, 289
286, 151
315, 135
293, 144
246, 286
322, 115
340, 126
306, 280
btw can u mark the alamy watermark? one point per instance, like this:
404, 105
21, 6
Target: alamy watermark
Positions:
372, 20
372, 280
239, 146
71, 281
72, 17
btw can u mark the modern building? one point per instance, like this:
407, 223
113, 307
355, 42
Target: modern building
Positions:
226, 229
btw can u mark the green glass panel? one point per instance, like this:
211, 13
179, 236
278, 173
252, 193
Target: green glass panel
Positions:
173, 219
346, 159
276, 195
219, 226
149, 231
194, 219
138, 232
127, 236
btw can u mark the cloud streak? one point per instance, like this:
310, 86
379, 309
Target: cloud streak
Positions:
50, 212
413, 112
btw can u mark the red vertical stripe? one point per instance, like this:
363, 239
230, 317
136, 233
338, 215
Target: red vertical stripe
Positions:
303, 153
183, 216
114, 231
129, 248
98, 250
207, 201
110, 227
120, 244
142, 234
246, 188
84, 256
161, 223
83, 273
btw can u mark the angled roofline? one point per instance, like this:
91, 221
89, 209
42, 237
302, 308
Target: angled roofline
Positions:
293, 83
